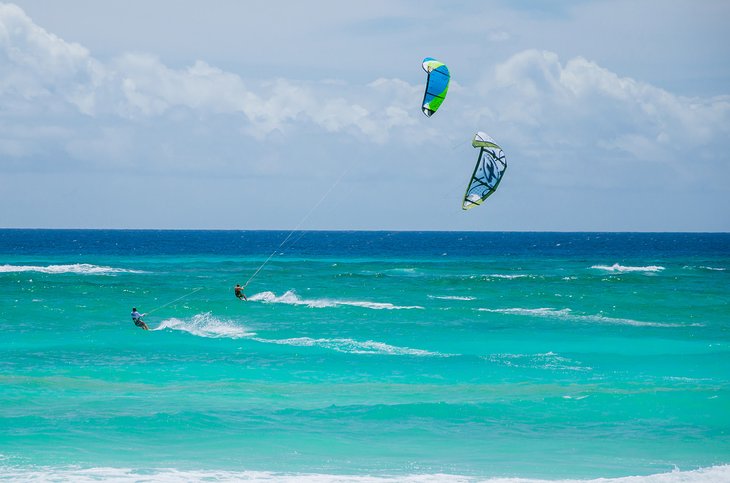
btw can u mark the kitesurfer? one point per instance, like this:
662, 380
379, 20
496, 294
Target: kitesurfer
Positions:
137, 319
238, 290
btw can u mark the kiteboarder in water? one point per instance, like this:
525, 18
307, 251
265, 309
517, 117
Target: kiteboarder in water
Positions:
238, 290
137, 319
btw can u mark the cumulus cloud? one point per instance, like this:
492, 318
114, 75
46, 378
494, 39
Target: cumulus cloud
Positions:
578, 112
40, 70
62, 103
540, 89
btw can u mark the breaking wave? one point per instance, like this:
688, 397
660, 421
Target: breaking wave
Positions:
509, 277
711, 474
451, 297
548, 360
209, 326
291, 298
567, 314
622, 269
351, 346
80, 268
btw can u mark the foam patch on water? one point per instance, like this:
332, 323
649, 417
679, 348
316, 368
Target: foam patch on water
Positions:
291, 298
548, 360
705, 267
567, 314
711, 474
351, 346
451, 297
401, 271
509, 277
623, 269
206, 325
79, 268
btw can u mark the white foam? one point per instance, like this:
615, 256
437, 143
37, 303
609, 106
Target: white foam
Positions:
547, 360
621, 268
80, 268
540, 312
567, 314
351, 346
704, 267
509, 277
397, 271
451, 297
291, 298
711, 474
206, 325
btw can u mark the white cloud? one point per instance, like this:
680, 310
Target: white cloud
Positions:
36, 64
567, 123
582, 106
40, 68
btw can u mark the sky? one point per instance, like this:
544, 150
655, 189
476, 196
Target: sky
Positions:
222, 114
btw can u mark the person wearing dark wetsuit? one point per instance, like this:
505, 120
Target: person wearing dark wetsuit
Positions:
238, 290
137, 319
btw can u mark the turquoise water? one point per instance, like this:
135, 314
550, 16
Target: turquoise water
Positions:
426, 356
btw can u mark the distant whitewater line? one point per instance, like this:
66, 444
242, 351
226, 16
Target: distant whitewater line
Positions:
451, 297
704, 267
291, 298
209, 326
351, 346
566, 314
488, 276
621, 268
509, 277
80, 268
547, 360
711, 474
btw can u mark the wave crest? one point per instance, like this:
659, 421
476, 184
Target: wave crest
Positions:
79, 268
623, 269
351, 346
710, 474
291, 298
451, 297
547, 360
567, 314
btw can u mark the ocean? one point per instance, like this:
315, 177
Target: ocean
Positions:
364, 356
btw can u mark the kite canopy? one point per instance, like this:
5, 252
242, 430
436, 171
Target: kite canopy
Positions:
437, 84
488, 172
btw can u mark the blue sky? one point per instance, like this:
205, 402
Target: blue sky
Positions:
614, 115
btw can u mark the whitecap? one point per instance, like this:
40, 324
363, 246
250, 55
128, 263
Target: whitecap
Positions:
567, 314
547, 360
351, 346
79, 268
622, 269
451, 297
291, 298
710, 474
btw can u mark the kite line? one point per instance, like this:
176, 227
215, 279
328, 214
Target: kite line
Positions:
297, 227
